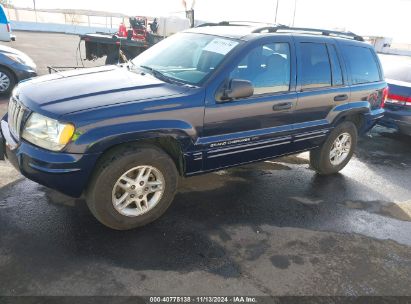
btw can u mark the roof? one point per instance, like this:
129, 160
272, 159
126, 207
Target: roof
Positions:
251, 30
234, 32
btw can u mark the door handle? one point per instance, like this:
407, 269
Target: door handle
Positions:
341, 97
283, 106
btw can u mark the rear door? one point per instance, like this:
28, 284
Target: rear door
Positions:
260, 126
322, 85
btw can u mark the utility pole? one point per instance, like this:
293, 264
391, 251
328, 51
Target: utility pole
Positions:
34, 6
295, 9
276, 12
190, 12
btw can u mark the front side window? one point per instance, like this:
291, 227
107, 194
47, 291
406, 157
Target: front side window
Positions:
267, 67
362, 63
186, 57
315, 66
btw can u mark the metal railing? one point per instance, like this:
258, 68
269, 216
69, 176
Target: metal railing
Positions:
67, 18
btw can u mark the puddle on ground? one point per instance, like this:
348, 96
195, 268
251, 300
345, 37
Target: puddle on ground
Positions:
299, 159
382, 147
57, 198
266, 166
397, 210
281, 163
306, 200
211, 181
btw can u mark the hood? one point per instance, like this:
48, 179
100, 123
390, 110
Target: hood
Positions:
58, 94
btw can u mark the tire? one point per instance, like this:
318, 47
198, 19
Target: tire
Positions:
320, 158
102, 191
7, 81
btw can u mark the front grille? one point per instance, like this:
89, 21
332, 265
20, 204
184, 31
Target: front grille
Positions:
16, 113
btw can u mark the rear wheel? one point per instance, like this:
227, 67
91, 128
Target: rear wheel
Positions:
336, 151
7, 81
132, 187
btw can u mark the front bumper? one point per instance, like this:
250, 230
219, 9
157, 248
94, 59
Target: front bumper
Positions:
67, 173
398, 119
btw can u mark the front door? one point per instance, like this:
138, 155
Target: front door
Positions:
257, 127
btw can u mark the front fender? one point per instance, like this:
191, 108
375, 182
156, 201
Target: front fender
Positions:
101, 138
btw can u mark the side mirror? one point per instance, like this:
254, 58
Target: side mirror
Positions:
237, 88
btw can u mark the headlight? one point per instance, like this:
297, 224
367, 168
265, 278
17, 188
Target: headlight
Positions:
47, 133
23, 59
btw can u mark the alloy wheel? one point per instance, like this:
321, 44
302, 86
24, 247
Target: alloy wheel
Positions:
340, 149
4, 82
138, 191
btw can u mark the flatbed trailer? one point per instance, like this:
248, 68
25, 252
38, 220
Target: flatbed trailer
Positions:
117, 49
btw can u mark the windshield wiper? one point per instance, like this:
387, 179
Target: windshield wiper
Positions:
156, 73
161, 76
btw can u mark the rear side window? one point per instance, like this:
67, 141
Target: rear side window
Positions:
316, 68
362, 63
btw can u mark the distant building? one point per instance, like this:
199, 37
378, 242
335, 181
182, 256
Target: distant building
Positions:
385, 45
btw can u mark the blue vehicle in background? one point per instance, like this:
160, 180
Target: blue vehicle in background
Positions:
208, 98
5, 29
397, 71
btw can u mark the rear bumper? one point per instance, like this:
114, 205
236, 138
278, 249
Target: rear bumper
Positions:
371, 119
399, 120
67, 173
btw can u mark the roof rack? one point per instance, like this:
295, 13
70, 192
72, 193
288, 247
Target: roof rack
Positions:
233, 23
284, 28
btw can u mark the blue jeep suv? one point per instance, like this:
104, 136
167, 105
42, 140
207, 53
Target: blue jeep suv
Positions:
208, 98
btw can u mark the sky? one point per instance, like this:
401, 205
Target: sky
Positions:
390, 18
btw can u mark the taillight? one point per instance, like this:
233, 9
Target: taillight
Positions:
399, 100
385, 94
8, 27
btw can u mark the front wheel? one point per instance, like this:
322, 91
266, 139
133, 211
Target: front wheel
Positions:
132, 187
336, 151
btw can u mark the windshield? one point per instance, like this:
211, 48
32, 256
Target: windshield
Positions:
186, 57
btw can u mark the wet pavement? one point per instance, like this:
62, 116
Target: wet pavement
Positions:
273, 228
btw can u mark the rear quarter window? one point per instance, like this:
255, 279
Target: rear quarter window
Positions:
362, 63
